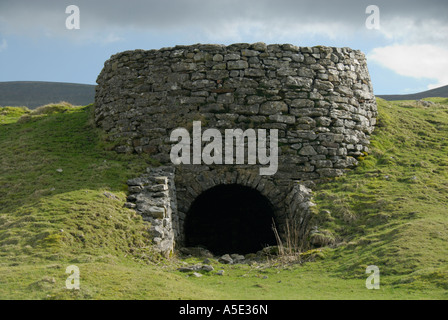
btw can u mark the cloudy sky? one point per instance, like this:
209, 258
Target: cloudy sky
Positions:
408, 53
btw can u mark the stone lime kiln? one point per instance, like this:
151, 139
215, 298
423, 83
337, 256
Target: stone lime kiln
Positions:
318, 99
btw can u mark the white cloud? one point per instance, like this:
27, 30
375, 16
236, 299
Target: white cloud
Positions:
411, 30
419, 48
112, 37
3, 45
418, 61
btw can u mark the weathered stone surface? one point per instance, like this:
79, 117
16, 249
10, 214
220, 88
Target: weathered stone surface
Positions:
155, 212
207, 268
226, 259
307, 151
299, 82
237, 258
237, 65
282, 118
186, 269
273, 107
156, 206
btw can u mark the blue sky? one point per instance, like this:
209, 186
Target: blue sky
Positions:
408, 53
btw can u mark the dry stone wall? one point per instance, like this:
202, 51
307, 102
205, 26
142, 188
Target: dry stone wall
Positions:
320, 99
153, 195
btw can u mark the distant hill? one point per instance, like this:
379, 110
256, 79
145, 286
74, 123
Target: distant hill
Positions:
441, 92
33, 94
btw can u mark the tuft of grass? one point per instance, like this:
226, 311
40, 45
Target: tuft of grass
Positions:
52, 108
48, 109
12, 114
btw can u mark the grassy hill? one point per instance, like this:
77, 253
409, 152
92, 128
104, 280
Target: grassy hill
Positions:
437, 92
62, 196
37, 93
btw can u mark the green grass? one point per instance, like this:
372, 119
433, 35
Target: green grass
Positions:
130, 280
12, 114
390, 211
54, 179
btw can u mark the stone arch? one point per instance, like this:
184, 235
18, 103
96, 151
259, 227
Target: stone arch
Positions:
164, 195
191, 184
230, 218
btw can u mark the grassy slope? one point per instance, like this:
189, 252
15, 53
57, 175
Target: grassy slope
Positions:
392, 210
389, 212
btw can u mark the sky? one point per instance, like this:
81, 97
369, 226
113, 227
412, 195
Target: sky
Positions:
407, 51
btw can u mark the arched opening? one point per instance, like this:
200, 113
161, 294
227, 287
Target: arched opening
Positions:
230, 219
